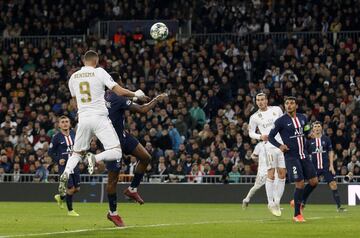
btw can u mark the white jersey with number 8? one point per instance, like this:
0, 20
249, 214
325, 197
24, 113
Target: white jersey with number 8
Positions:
88, 86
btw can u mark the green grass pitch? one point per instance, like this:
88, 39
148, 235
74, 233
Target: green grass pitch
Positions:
175, 220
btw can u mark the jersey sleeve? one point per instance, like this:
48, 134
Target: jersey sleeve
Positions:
328, 144
277, 128
71, 88
53, 148
252, 129
118, 102
106, 78
124, 103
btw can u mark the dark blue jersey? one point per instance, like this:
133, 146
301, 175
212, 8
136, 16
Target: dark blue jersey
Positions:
116, 106
318, 149
61, 146
292, 132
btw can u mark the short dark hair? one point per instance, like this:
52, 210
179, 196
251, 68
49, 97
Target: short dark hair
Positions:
115, 75
261, 94
290, 98
90, 55
63, 117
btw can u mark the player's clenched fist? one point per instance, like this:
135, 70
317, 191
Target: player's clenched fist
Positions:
161, 97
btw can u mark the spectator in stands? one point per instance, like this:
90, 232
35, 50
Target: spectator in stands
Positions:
354, 162
41, 173
234, 175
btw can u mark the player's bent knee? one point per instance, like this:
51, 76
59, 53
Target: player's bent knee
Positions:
118, 151
71, 191
333, 185
281, 173
300, 184
314, 182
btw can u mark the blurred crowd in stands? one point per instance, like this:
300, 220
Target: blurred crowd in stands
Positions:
46, 17
201, 128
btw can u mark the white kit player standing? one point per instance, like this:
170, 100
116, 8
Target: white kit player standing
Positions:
264, 120
261, 176
87, 85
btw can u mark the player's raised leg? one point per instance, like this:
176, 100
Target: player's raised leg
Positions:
143, 160
259, 182
105, 132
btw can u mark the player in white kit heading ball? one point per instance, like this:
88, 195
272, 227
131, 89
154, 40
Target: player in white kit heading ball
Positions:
264, 120
87, 86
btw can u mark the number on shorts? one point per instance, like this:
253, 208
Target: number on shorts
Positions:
85, 90
270, 159
294, 170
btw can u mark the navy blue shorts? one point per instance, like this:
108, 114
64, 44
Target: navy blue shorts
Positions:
298, 170
328, 176
128, 145
74, 179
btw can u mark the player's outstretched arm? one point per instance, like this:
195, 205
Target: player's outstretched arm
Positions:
120, 91
134, 107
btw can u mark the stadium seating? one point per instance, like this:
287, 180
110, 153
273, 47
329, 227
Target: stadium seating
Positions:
211, 85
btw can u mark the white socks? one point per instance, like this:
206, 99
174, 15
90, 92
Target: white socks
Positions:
269, 186
71, 163
109, 155
252, 192
113, 213
279, 190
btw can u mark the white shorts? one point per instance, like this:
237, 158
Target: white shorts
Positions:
101, 127
274, 157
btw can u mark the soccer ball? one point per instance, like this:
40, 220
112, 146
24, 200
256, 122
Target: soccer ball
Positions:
159, 31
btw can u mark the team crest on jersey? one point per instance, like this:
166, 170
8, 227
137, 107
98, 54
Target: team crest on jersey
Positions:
108, 104
274, 114
128, 102
260, 115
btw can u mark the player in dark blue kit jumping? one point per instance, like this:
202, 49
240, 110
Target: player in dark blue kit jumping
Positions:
322, 155
292, 127
60, 150
117, 106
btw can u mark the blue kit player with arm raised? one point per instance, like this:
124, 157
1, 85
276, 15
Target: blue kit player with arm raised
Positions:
322, 155
60, 150
117, 105
292, 127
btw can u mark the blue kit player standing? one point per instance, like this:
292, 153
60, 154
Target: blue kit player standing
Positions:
60, 150
117, 105
292, 127
322, 155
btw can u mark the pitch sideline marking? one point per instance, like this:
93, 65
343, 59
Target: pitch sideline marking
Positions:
146, 226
